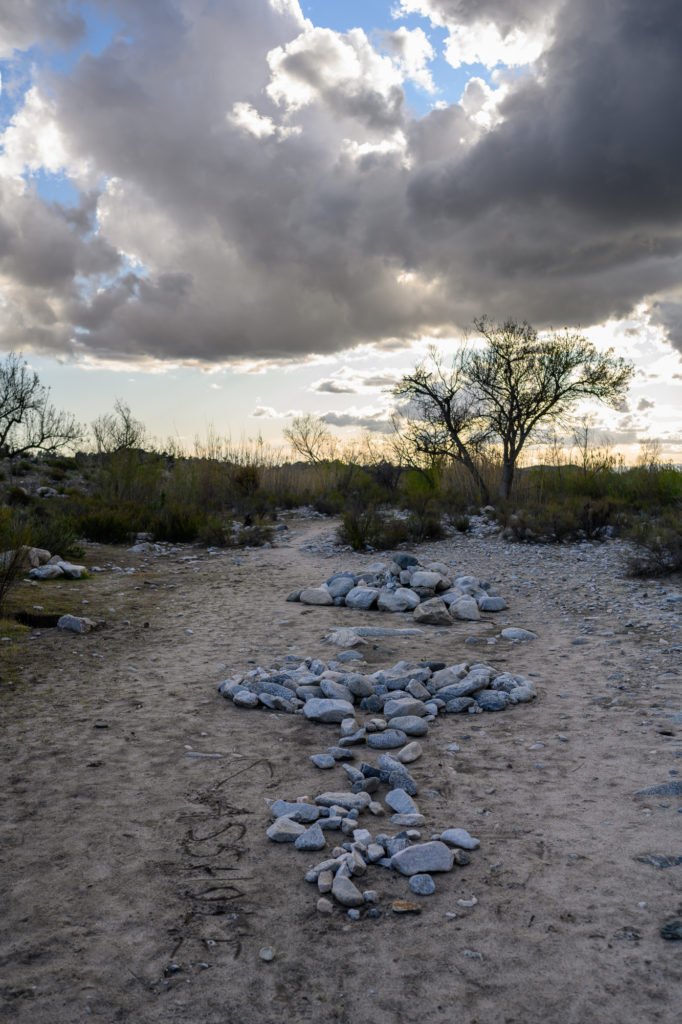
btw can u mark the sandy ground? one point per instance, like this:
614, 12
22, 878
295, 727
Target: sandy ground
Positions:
123, 858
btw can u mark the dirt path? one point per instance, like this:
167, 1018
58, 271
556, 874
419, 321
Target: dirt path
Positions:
138, 882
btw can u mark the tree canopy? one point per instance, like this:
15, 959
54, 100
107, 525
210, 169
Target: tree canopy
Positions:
501, 392
28, 420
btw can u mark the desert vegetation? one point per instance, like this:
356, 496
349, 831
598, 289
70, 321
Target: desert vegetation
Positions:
467, 432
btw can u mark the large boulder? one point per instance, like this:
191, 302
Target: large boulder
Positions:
322, 709
465, 608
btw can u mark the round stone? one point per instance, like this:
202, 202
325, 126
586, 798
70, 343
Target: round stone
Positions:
422, 885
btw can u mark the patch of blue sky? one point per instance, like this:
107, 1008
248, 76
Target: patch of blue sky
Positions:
375, 18
54, 187
100, 30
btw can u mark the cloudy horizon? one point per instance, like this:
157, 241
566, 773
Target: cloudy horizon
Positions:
251, 209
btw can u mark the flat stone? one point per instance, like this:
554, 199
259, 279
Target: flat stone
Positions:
422, 885
409, 820
405, 907
349, 801
459, 837
404, 561
665, 789
312, 839
387, 740
400, 801
341, 753
411, 725
323, 760
423, 858
323, 709
303, 813
516, 633
404, 706
285, 830
315, 595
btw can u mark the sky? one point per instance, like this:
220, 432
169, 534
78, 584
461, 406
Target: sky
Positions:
228, 213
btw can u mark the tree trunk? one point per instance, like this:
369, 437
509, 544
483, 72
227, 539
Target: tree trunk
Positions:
507, 479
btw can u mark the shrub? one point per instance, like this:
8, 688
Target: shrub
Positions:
659, 547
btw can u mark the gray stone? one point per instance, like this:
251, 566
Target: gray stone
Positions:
323, 760
403, 780
349, 801
425, 579
400, 801
75, 624
315, 595
412, 820
404, 560
433, 613
303, 813
411, 725
422, 885
516, 633
665, 789
71, 571
322, 709
359, 686
459, 704
410, 753
417, 690
340, 586
361, 598
312, 839
396, 706
399, 600
335, 691
465, 608
522, 694
459, 837
491, 604
448, 676
347, 894
423, 858
387, 740
244, 698
492, 700
46, 572
285, 830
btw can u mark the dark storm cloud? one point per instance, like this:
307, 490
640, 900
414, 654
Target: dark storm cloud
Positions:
594, 134
311, 223
668, 315
25, 22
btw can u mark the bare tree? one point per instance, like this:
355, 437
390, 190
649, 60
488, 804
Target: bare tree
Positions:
523, 381
28, 421
118, 431
444, 416
311, 438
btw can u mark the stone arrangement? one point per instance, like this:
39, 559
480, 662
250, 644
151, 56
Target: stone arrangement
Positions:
433, 593
399, 704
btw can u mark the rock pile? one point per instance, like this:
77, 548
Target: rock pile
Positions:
41, 564
407, 696
399, 704
433, 593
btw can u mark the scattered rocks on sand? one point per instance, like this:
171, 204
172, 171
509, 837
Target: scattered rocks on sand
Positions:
435, 593
379, 712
